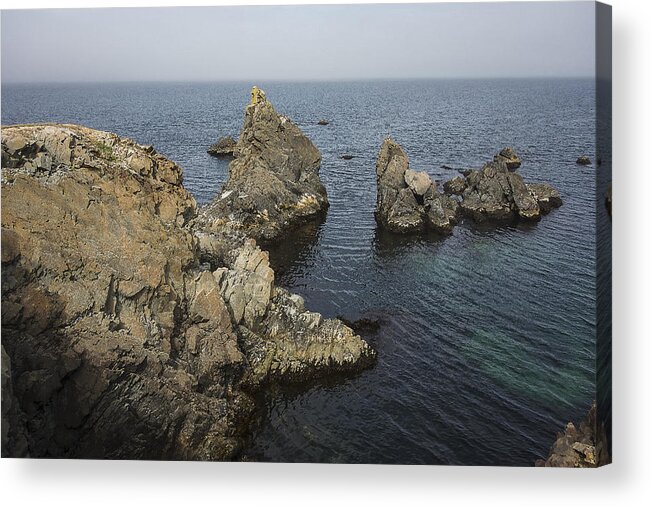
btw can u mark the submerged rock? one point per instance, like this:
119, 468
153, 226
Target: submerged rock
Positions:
273, 184
509, 157
585, 447
583, 160
126, 331
347, 157
407, 200
225, 146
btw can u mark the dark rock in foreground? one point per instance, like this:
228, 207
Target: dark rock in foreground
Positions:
273, 184
224, 147
585, 447
509, 157
407, 200
127, 332
583, 160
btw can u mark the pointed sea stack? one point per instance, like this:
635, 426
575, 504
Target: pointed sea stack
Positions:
273, 184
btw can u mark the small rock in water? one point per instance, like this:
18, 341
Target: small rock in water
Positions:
225, 146
583, 160
323, 122
346, 157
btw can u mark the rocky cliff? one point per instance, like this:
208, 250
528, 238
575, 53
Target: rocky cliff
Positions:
273, 184
127, 330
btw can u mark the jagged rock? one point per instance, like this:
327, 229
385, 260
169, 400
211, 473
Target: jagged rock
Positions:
407, 200
495, 193
225, 146
509, 157
583, 160
585, 447
455, 186
122, 324
546, 195
323, 122
273, 184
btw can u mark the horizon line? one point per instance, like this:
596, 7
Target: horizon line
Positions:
299, 80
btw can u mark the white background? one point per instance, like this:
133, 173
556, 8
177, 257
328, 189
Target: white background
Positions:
626, 482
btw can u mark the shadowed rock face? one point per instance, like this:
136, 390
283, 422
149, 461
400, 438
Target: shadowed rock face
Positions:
127, 332
408, 200
585, 447
274, 183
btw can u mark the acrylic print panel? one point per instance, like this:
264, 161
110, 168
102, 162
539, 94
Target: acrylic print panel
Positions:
308, 234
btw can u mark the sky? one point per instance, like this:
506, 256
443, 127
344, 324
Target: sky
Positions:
296, 43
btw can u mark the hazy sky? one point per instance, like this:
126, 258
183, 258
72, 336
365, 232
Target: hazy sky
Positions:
299, 42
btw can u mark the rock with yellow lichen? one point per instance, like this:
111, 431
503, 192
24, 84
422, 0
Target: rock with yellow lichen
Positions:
273, 184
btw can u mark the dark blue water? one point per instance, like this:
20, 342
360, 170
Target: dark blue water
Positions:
487, 342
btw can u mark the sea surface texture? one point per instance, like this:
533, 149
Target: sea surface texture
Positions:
487, 338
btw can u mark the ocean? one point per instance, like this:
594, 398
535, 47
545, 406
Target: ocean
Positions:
487, 340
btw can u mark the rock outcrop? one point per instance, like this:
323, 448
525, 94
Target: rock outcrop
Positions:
273, 184
126, 332
495, 193
509, 157
584, 447
223, 147
407, 200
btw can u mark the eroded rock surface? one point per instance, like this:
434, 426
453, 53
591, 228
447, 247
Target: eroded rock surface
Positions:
274, 183
408, 200
582, 447
496, 193
128, 333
